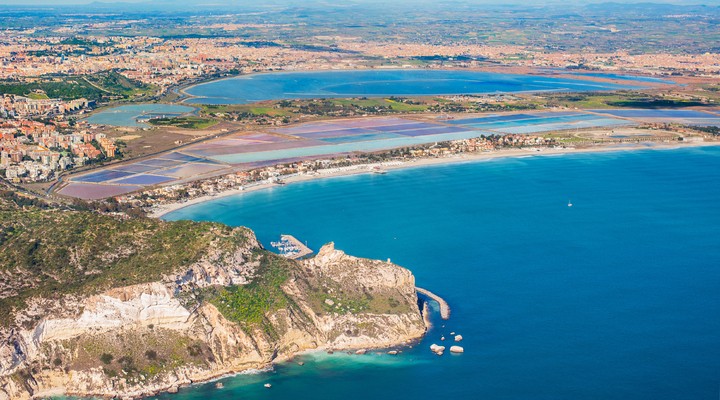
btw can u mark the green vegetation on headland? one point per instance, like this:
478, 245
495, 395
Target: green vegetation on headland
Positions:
50, 253
184, 122
98, 87
53, 260
249, 304
137, 357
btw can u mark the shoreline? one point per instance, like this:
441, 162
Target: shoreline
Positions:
257, 369
162, 210
215, 376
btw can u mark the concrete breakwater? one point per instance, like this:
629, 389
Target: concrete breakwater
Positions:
291, 247
444, 307
303, 250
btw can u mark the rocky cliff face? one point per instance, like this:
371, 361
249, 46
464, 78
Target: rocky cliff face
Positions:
140, 339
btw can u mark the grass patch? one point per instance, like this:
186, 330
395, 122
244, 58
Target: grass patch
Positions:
37, 96
260, 109
185, 122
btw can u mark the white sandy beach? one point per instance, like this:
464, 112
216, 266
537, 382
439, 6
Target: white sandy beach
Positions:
163, 209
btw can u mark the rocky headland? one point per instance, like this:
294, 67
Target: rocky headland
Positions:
100, 310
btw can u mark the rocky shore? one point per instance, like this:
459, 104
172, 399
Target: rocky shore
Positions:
139, 340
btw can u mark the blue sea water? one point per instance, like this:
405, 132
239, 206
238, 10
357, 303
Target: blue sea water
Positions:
616, 297
373, 83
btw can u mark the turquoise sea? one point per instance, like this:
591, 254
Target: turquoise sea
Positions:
374, 83
617, 297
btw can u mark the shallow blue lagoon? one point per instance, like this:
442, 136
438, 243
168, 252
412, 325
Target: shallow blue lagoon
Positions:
128, 115
637, 78
329, 148
613, 298
300, 85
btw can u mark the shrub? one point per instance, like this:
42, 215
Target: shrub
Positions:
106, 358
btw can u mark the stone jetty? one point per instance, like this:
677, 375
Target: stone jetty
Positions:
444, 307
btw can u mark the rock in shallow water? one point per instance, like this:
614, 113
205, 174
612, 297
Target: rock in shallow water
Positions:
437, 349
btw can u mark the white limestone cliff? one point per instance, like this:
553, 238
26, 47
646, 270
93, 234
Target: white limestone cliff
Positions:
159, 313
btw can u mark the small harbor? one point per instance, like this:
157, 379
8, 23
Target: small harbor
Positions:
290, 247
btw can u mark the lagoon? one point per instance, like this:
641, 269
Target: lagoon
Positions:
376, 83
127, 116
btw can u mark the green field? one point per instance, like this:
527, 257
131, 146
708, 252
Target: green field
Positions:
185, 122
391, 104
37, 96
254, 109
618, 100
